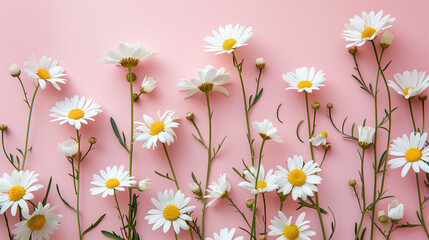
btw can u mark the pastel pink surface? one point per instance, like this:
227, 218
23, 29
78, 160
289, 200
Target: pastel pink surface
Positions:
288, 34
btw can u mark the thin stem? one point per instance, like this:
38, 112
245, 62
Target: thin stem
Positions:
25, 92
357, 68
78, 185
130, 190
390, 230
265, 214
121, 216
28, 127
199, 133
239, 211
171, 166
423, 116
7, 226
363, 178
314, 121
360, 225
74, 175
281, 205
309, 124
412, 115
5, 152
175, 236
422, 216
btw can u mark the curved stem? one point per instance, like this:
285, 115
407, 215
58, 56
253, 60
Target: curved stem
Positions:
130, 190
7, 226
78, 185
412, 115
422, 217
238, 210
28, 127
390, 230
171, 166
121, 216
25, 92
265, 214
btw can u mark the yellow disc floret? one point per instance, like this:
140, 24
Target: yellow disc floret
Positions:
291, 232
297, 177
261, 185
368, 32
43, 74
324, 133
305, 84
36, 222
16, 193
112, 183
156, 128
171, 212
228, 44
413, 155
406, 90
76, 114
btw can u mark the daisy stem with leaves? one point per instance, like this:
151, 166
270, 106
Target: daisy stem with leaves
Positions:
130, 225
253, 229
363, 209
171, 166
77, 178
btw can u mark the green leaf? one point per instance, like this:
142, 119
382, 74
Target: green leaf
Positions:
277, 113
94, 224
64, 201
111, 235
118, 136
45, 199
297, 131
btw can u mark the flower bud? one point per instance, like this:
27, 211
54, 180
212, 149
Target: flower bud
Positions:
329, 105
353, 50
189, 115
144, 185
148, 85
14, 70
352, 182
386, 39
382, 217
315, 105
92, 140
262, 237
282, 196
366, 134
131, 77
195, 188
250, 203
327, 146
68, 148
395, 210
260, 63
3, 127
135, 97
423, 97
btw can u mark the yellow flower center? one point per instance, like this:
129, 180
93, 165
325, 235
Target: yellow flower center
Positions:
228, 44
413, 155
36, 223
156, 128
43, 74
112, 183
261, 185
368, 32
297, 177
206, 87
304, 84
76, 114
16, 193
291, 232
129, 62
407, 89
171, 212
324, 133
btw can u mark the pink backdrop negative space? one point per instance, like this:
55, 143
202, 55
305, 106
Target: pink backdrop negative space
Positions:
287, 34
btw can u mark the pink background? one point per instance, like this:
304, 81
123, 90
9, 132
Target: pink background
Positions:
288, 34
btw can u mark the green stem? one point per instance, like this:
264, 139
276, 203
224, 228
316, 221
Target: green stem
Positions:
238, 210
78, 185
281, 205
28, 127
25, 92
412, 115
7, 226
121, 216
422, 217
390, 230
265, 214
175, 236
423, 116
5, 152
199, 133
363, 178
171, 166
360, 225
130, 190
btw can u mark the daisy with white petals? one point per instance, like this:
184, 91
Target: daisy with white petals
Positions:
110, 180
225, 234
170, 210
266, 130
228, 38
266, 183
366, 135
319, 139
218, 189
410, 84
207, 79
45, 70
68, 148
300, 179
39, 225
129, 55
410, 153
395, 210
304, 79
16, 189
75, 111
151, 131
283, 228
148, 85
366, 28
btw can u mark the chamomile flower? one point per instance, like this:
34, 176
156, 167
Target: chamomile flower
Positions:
207, 79
395, 210
68, 148
366, 134
148, 85
151, 131
129, 55
304, 79
218, 189
75, 111
283, 228
110, 180
170, 210
225, 234
39, 225
16, 189
410, 153
228, 38
265, 183
366, 28
300, 179
410, 84
319, 139
45, 70
266, 130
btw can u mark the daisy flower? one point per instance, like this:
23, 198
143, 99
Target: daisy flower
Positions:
218, 189
16, 189
110, 180
228, 38
284, 229
300, 179
130, 54
367, 27
75, 111
319, 139
151, 131
207, 79
225, 234
366, 134
266, 130
68, 148
45, 70
144, 185
410, 84
304, 80
395, 210
266, 183
170, 209
410, 152
39, 225
14, 70
148, 85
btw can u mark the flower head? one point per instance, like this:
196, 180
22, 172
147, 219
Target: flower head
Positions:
304, 79
410, 84
110, 180
45, 70
207, 79
395, 210
75, 111
16, 189
366, 28
319, 139
68, 148
39, 225
129, 55
300, 179
14, 70
386, 39
283, 228
260, 63
144, 184
151, 131
228, 38
218, 189
410, 153
170, 209
264, 183
266, 130
225, 234
148, 85
366, 134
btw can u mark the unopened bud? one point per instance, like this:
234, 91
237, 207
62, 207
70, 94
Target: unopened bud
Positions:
315, 105
386, 39
260, 63
136, 97
281, 196
14, 70
250, 203
423, 97
327, 146
329, 105
144, 185
189, 115
353, 50
263, 237
195, 188
3, 127
131, 77
352, 182
92, 140
382, 217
